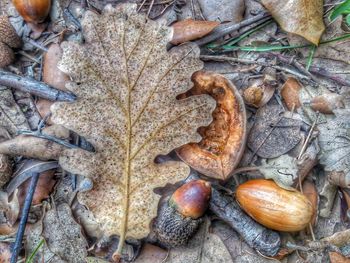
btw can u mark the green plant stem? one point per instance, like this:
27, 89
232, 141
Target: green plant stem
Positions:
31, 257
311, 56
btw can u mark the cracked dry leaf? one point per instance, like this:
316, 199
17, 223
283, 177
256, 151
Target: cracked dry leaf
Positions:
304, 18
11, 117
334, 142
127, 84
63, 239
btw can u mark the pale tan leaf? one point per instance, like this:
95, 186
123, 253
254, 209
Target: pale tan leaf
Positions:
304, 18
127, 84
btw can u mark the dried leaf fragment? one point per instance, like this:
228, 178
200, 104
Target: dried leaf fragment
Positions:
274, 133
37, 148
127, 109
336, 257
220, 150
304, 18
290, 93
187, 30
63, 240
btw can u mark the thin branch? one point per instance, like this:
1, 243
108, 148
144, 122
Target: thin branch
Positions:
255, 62
228, 28
34, 87
24, 217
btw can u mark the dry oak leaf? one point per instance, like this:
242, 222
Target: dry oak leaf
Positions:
300, 17
127, 83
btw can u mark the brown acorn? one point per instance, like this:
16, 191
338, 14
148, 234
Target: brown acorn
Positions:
180, 215
8, 33
33, 11
273, 206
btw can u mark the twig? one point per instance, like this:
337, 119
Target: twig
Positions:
313, 69
228, 28
34, 87
48, 137
261, 63
24, 217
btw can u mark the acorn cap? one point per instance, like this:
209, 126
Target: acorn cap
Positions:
8, 33
6, 55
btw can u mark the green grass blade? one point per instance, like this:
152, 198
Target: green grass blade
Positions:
311, 57
245, 35
31, 257
279, 48
341, 9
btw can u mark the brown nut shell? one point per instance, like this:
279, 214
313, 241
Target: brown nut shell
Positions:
290, 93
34, 11
8, 33
191, 199
273, 206
6, 55
223, 141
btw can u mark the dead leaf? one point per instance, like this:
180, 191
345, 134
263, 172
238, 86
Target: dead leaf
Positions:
11, 116
283, 170
290, 93
151, 254
274, 132
127, 85
336, 257
327, 102
223, 10
63, 240
327, 196
339, 179
335, 143
25, 169
5, 169
37, 148
9, 208
52, 76
204, 247
43, 189
304, 18
5, 252
189, 29
310, 191
223, 143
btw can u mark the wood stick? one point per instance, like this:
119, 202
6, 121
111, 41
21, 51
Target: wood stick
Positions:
24, 217
228, 28
34, 87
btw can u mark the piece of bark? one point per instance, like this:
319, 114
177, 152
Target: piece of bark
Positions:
264, 240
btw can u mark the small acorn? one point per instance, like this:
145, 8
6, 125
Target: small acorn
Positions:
33, 11
180, 215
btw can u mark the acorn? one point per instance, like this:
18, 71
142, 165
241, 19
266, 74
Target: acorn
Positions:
180, 215
273, 206
33, 11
